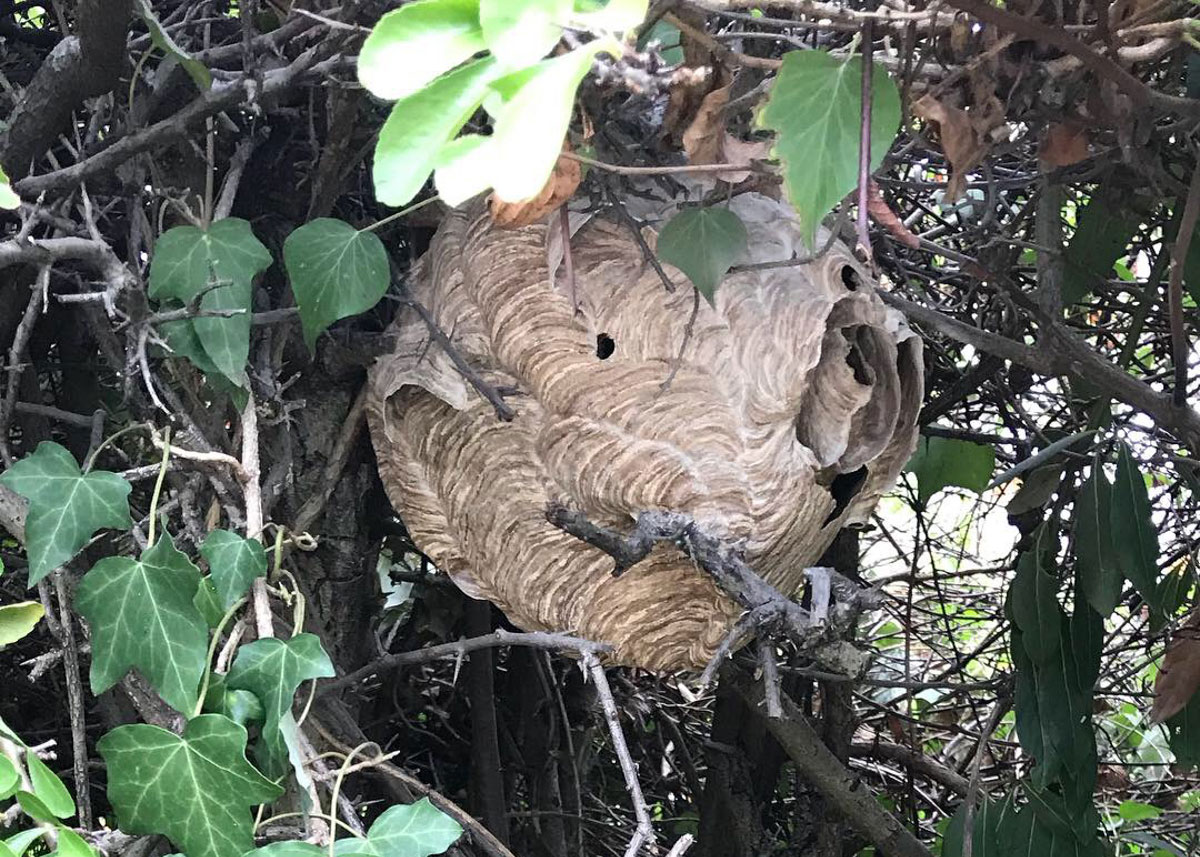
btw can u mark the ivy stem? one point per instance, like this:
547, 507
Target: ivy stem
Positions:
158, 484
337, 788
283, 815
397, 215
110, 440
212, 650
278, 562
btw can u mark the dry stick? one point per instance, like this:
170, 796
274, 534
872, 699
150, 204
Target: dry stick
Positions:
862, 227
681, 845
16, 367
75, 705
252, 491
1000, 709
1183, 242
645, 830
770, 669
499, 637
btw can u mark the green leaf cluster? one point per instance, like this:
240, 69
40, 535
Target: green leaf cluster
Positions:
940, 462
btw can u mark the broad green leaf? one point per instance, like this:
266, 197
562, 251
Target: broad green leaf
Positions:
1041, 457
208, 602
219, 265
520, 32
240, 706
272, 669
421, 124
1098, 573
413, 830
984, 839
6, 851
66, 507
143, 617
1104, 229
336, 271
234, 563
20, 842
815, 107
1134, 538
33, 807
1183, 733
162, 40
196, 788
704, 243
289, 848
48, 788
529, 132
71, 844
412, 45
1025, 833
10, 778
1035, 608
940, 461
463, 168
8, 197
17, 620
1132, 810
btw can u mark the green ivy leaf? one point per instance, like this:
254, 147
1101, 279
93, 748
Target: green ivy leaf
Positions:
143, 616
218, 265
8, 197
704, 243
421, 124
196, 788
1099, 574
520, 32
234, 563
66, 507
240, 706
940, 462
18, 620
412, 45
288, 848
1134, 538
413, 830
336, 271
208, 602
815, 106
48, 788
162, 40
273, 669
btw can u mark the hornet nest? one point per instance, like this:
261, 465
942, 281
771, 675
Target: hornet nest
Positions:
797, 385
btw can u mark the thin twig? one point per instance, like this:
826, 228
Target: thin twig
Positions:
75, 703
1179, 254
862, 226
16, 367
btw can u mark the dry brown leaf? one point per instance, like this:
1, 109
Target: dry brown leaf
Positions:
563, 181
704, 135
1065, 143
1179, 678
882, 214
963, 144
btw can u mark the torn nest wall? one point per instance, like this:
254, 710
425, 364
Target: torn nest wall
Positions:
796, 386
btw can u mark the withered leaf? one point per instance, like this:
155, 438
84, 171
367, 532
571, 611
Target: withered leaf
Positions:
1065, 143
1179, 677
563, 181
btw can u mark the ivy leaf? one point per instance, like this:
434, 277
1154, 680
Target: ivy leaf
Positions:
196, 788
413, 830
208, 602
272, 669
419, 125
336, 271
1134, 539
412, 45
234, 563
66, 507
143, 616
520, 32
704, 243
18, 620
240, 706
941, 461
218, 265
815, 107
288, 848
1099, 574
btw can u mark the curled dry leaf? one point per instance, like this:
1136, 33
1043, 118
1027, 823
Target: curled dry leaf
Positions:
1065, 143
707, 142
563, 181
964, 136
1179, 678
882, 214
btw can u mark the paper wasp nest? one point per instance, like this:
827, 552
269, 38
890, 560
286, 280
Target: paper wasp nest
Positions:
798, 376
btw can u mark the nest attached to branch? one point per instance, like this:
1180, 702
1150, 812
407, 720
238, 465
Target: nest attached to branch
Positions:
790, 408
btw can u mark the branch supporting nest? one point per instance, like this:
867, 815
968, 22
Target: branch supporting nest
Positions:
815, 630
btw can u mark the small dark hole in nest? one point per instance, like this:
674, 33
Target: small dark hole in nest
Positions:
850, 278
605, 346
843, 489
